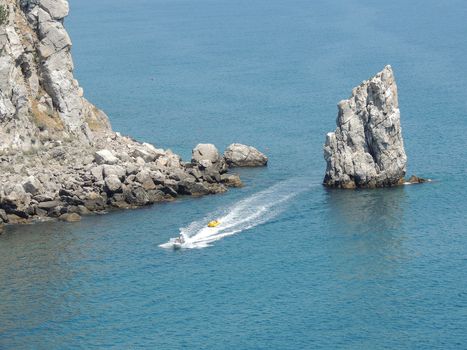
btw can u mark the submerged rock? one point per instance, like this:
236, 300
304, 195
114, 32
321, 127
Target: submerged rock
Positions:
238, 155
417, 180
366, 149
70, 217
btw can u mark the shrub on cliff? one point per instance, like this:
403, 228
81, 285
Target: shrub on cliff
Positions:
3, 15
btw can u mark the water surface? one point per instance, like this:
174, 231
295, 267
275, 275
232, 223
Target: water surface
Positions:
381, 269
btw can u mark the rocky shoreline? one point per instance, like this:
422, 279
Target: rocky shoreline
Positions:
59, 158
64, 181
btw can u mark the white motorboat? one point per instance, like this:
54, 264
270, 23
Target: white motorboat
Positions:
178, 242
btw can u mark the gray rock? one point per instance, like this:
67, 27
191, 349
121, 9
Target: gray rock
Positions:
16, 219
40, 212
136, 196
144, 154
156, 196
82, 210
49, 205
158, 177
238, 155
3, 216
205, 164
113, 183
95, 204
57, 9
231, 180
105, 157
98, 172
205, 151
43, 198
32, 185
114, 170
192, 188
367, 149
145, 179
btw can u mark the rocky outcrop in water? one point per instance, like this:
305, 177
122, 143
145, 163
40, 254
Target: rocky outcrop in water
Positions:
366, 150
238, 155
59, 157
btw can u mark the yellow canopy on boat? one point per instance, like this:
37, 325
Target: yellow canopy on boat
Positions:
213, 223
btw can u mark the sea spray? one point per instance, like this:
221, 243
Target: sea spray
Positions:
249, 212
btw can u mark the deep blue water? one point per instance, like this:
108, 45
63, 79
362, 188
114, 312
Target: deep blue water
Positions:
379, 269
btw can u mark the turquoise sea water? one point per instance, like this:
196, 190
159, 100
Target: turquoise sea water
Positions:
322, 269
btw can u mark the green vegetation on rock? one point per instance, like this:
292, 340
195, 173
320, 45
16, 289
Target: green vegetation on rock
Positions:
3, 15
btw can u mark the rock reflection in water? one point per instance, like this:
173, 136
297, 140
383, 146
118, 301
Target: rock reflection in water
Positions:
367, 211
367, 240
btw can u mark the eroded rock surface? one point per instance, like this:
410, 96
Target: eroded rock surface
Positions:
367, 150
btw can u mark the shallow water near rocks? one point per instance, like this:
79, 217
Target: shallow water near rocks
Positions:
369, 269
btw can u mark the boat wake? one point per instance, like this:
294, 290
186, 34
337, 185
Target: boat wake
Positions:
243, 215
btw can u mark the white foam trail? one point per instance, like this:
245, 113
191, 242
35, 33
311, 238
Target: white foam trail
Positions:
245, 214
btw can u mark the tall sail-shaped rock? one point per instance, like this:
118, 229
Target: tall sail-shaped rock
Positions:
367, 150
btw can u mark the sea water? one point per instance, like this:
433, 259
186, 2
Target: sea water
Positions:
297, 266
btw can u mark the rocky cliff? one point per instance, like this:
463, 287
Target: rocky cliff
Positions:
58, 155
40, 100
367, 150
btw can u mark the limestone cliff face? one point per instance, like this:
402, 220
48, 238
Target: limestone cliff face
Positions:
39, 98
367, 149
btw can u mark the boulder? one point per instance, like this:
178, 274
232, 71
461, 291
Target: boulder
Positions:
15, 219
105, 157
156, 196
366, 149
192, 188
144, 154
49, 205
144, 178
32, 185
113, 183
114, 170
136, 196
205, 151
206, 156
238, 155
97, 172
95, 203
231, 180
